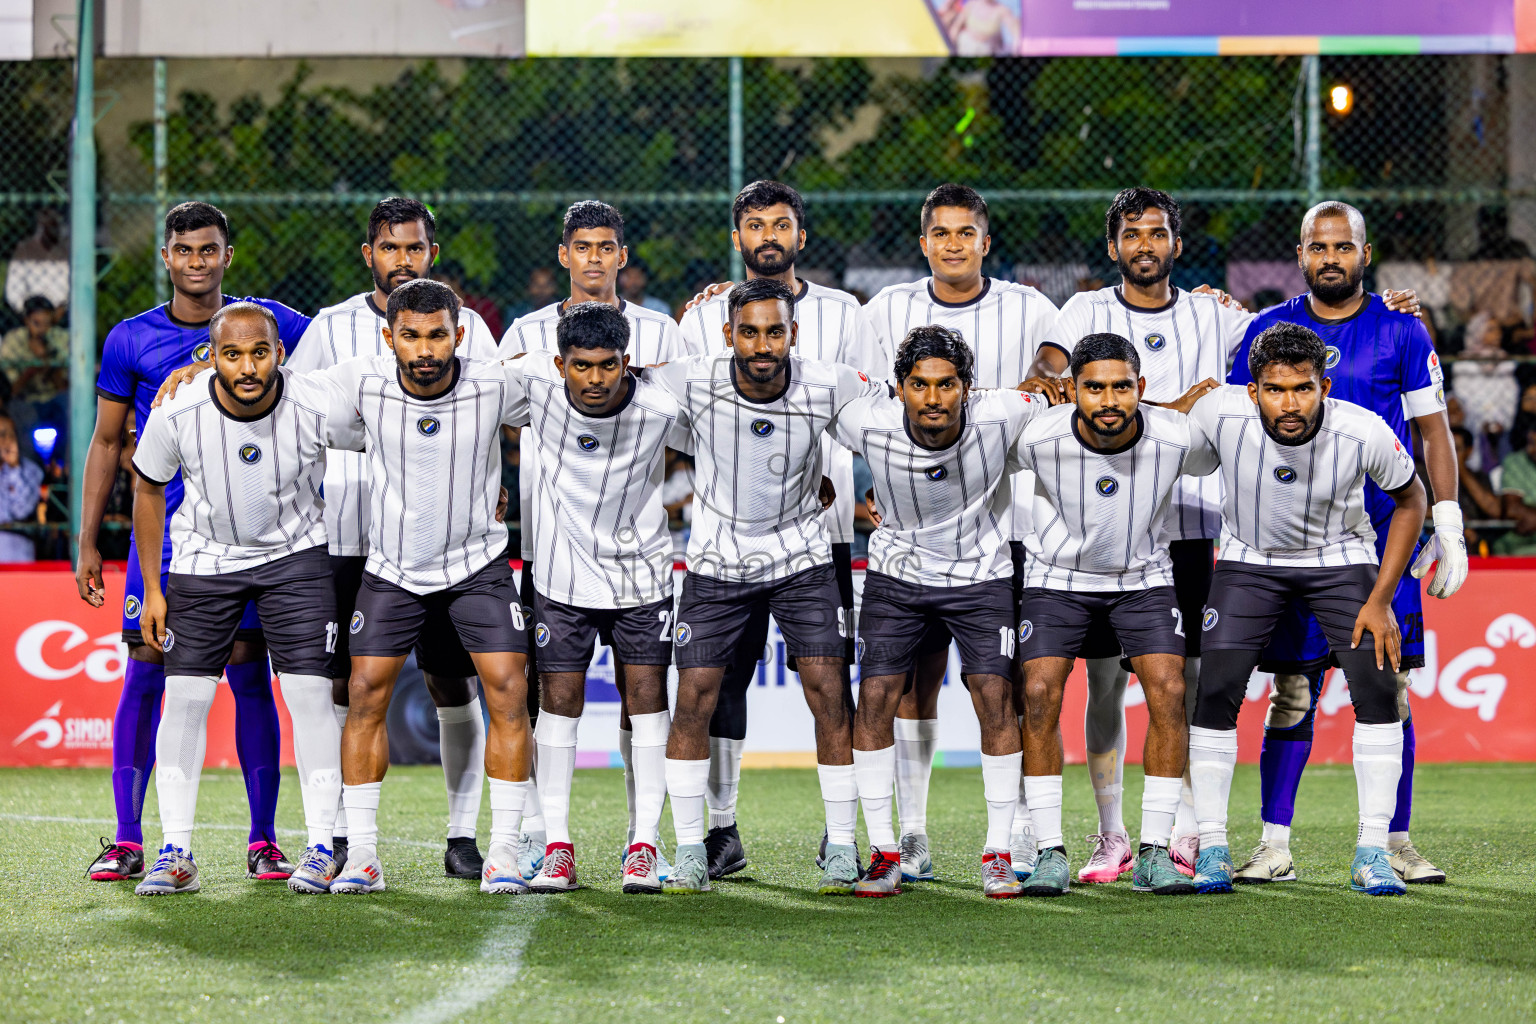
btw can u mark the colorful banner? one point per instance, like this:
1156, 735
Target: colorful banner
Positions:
62, 665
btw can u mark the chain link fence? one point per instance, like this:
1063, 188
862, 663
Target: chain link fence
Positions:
296, 153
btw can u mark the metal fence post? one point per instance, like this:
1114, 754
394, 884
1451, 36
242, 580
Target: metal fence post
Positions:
82, 261
162, 283
1314, 147
737, 161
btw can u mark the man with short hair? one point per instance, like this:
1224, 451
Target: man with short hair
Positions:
1383, 361
1106, 469
603, 573
249, 440
768, 229
1003, 323
401, 246
938, 457
592, 248
139, 354
756, 414
1297, 526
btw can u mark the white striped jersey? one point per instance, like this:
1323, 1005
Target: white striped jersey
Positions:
434, 467
599, 529
1101, 517
653, 338
831, 330
345, 331
252, 485
1300, 504
1003, 325
1189, 340
756, 515
943, 512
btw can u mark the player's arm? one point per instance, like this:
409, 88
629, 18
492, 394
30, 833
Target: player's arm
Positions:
101, 461
1422, 381
1187, 400
1056, 337
1391, 467
155, 463
177, 378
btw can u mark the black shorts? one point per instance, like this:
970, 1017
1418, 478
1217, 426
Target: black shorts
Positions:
713, 615
897, 615
483, 611
295, 597
1056, 623
1101, 641
438, 650
1193, 563
564, 634
1247, 600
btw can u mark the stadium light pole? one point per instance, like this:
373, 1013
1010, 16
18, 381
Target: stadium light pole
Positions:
82, 261
737, 162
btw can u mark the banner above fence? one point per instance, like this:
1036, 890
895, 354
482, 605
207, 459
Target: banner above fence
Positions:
932, 28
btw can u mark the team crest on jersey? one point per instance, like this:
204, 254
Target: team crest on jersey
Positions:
1107, 485
858, 649
1026, 630
357, 622
1440, 397
169, 641
1285, 474
682, 634
1334, 355
428, 426
250, 454
1155, 342
541, 635
201, 353
131, 607
1208, 621
762, 428
936, 472
587, 443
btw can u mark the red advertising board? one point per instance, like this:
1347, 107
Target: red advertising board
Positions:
62, 665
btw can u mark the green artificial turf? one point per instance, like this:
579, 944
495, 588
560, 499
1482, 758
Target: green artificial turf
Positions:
763, 946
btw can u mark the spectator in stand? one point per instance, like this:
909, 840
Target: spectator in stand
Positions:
1476, 495
1518, 484
451, 273
21, 491
36, 356
540, 293
1524, 422
1484, 382
633, 280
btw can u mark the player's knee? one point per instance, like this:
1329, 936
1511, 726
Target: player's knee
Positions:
1164, 691
449, 691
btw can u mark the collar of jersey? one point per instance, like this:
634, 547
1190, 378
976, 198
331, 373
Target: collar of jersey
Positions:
456, 373
906, 424
1141, 431
1306, 305
368, 301
629, 396
213, 382
1165, 307
560, 306
789, 377
986, 286
224, 300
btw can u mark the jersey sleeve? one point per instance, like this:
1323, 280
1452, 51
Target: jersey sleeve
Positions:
313, 351
117, 378
861, 347
1237, 372
848, 427
1419, 371
1384, 458
1065, 330
853, 384
477, 343
692, 332
1021, 407
515, 411
874, 328
1041, 325
1203, 457
673, 377
158, 456
343, 424
512, 342
673, 344
1234, 321
291, 324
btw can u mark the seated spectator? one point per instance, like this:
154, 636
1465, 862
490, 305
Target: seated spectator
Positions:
36, 358
633, 280
1475, 494
1518, 484
540, 293
1484, 381
39, 263
21, 482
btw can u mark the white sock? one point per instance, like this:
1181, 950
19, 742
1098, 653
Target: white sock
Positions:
339, 830
1043, 793
1023, 826
1159, 802
874, 772
1212, 760
840, 794
626, 754
362, 803
1378, 767
686, 782
556, 739
1104, 733
1000, 787
461, 743
507, 802
180, 746
1277, 835
1184, 822
916, 742
649, 788
533, 810
724, 779
317, 751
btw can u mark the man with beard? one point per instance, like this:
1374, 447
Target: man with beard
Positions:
401, 246
1385, 362
138, 355
768, 229
1297, 525
1106, 471
756, 416
246, 428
